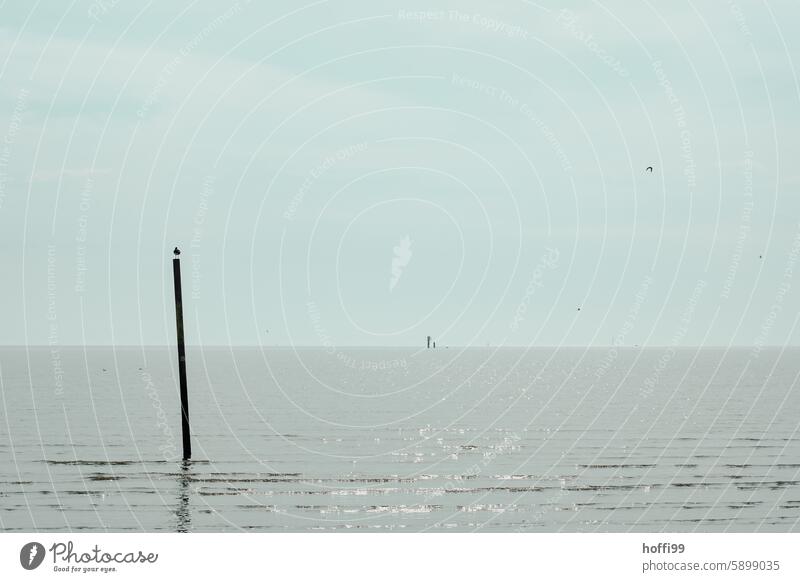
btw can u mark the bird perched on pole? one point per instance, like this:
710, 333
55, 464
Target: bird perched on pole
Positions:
176, 252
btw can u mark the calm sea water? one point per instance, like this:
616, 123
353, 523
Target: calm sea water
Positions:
401, 440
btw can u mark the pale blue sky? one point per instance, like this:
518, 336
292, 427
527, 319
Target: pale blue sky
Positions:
486, 133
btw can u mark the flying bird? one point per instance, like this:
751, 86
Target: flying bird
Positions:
176, 252
649, 169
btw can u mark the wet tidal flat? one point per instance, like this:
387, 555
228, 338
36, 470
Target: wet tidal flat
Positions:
394, 439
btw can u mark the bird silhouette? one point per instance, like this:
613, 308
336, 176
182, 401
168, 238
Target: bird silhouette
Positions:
649, 169
176, 251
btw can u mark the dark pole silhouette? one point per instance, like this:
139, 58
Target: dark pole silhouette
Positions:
176, 273
429, 342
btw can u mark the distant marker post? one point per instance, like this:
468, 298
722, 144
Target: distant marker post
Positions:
176, 274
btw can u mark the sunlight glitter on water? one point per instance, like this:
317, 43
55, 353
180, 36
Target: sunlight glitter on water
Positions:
476, 439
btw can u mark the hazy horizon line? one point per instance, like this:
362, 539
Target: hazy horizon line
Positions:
333, 349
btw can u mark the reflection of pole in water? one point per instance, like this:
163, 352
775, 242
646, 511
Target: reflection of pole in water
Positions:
183, 512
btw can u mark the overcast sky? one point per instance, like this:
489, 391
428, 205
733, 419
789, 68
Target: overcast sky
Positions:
369, 172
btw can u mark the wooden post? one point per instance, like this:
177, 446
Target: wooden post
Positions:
176, 273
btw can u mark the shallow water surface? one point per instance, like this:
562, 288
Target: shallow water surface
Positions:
358, 439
